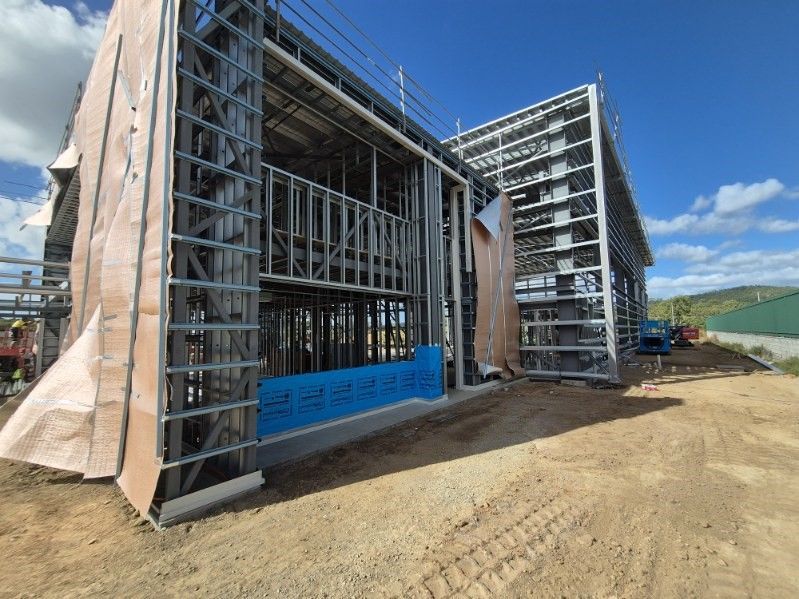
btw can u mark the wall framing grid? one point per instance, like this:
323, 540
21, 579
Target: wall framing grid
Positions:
209, 396
308, 209
581, 243
261, 216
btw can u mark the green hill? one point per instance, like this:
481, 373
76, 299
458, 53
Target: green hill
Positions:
695, 309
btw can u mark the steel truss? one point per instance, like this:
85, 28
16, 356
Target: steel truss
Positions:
581, 245
312, 233
314, 226
210, 397
332, 134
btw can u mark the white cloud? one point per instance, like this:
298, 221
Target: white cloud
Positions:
46, 50
27, 243
750, 262
699, 225
737, 197
757, 267
730, 243
731, 214
700, 203
678, 224
778, 225
686, 253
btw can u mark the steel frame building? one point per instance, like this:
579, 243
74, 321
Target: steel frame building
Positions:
581, 243
317, 226
310, 213
49, 300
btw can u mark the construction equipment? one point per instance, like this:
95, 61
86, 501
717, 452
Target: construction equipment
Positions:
16, 360
680, 335
654, 337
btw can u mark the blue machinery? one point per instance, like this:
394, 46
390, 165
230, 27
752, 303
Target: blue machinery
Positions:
289, 402
654, 337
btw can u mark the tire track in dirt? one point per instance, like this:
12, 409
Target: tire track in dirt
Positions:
730, 569
483, 560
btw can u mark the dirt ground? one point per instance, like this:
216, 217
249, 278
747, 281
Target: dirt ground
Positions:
537, 489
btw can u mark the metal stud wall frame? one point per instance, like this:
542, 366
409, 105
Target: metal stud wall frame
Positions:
581, 244
212, 340
314, 226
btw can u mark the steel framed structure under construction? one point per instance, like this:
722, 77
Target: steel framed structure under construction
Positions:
317, 227
289, 226
48, 302
283, 220
581, 242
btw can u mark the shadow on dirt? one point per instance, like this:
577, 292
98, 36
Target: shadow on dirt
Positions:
503, 418
517, 414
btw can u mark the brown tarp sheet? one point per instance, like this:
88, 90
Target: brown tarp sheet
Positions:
72, 418
496, 337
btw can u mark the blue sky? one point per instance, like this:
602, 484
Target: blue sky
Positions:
707, 92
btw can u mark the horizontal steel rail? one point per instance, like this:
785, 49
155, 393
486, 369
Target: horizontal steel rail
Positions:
560, 348
218, 168
210, 409
217, 129
219, 245
212, 326
215, 205
29, 262
208, 453
213, 285
184, 368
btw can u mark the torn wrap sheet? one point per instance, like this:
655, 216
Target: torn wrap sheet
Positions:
72, 418
496, 338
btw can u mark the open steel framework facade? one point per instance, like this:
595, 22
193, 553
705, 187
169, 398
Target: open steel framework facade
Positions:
311, 225
316, 227
581, 243
45, 297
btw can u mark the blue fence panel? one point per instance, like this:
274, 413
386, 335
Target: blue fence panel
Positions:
429, 359
290, 402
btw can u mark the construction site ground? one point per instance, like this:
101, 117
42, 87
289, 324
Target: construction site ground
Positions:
536, 489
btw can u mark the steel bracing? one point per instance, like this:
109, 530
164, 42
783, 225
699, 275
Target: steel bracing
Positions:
209, 399
317, 224
581, 244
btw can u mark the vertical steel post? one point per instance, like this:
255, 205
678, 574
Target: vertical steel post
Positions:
455, 265
134, 311
402, 96
602, 225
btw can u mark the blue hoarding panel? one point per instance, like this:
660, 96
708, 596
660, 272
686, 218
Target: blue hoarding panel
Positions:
290, 402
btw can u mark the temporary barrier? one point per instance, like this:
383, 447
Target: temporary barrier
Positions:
290, 402
74, 417
776, 316
496, 342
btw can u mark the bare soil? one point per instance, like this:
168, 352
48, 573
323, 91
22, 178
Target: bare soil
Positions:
537, 489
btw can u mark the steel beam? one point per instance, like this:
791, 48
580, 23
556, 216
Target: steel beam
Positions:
604, 251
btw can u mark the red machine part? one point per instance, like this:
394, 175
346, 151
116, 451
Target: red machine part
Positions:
16, 348
689, 333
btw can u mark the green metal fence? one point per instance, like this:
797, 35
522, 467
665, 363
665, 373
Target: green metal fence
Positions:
777, 316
